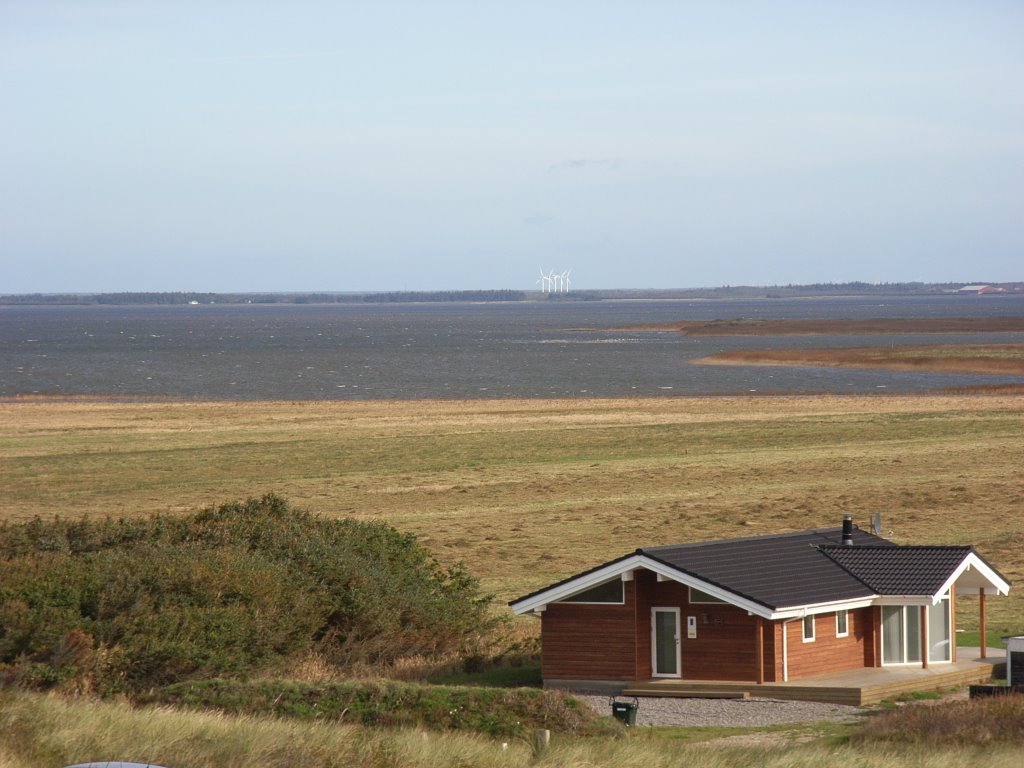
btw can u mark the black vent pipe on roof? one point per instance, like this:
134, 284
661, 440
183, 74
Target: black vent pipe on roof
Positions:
847, 531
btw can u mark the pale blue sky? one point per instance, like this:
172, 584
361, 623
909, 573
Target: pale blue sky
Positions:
382, 145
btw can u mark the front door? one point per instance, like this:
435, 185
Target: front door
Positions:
665, 642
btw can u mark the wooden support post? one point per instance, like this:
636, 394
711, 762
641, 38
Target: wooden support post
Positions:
541, 741
952, 624
760, 651
924, 637
981, 604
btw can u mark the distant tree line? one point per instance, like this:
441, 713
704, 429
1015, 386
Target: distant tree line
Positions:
855, 288
180, 298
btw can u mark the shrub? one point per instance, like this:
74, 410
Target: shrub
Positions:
976, 722
225, 592
493, 711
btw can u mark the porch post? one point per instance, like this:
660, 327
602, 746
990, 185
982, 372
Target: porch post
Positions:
760, 651
952, 624
924, 637
981, 605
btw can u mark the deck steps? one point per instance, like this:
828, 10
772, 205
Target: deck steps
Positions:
683, 692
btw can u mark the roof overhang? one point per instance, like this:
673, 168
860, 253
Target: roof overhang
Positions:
973, 577
624, 567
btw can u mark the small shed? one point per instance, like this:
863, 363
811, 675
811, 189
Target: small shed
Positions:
1015, 660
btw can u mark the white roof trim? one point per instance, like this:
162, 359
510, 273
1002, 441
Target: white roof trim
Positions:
579, 584
537, 602
997, 585
667, 572
813, 610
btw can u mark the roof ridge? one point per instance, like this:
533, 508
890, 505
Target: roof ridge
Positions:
759, 537
847, 547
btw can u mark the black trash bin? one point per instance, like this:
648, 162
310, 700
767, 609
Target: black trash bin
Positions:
625, 711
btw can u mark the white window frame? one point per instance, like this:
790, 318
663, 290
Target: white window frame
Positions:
845, 632
568, 600
713, 601
808, 622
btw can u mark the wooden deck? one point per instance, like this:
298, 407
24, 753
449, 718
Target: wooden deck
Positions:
857, 687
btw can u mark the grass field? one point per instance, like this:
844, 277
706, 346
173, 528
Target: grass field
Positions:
526, 492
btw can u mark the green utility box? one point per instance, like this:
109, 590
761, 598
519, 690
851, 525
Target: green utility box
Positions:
625, 711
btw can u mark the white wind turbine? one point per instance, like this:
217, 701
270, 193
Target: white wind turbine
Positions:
544, 282
556, 281
565, 280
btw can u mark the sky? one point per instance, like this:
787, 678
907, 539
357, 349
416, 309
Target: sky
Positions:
373, 146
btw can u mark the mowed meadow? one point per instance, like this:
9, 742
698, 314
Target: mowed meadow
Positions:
525, 492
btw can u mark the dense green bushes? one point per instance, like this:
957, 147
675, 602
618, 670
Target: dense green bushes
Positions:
494, 711
130, 604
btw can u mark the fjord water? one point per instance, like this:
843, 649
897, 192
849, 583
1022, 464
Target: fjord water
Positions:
410, 351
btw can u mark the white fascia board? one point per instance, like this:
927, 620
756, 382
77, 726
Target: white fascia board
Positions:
798, 612
610, 571
996, 585
671, 574
579, 584
905, 600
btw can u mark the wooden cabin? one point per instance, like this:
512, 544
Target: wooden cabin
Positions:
762, 609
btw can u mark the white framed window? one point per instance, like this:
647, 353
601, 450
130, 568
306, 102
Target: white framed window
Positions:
842, 623
808, 629
700, 597
606, 593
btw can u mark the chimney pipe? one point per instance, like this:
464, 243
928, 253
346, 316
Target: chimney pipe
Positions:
847, 531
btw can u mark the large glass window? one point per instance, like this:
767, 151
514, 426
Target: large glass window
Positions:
901, 633
892, 634
938, 631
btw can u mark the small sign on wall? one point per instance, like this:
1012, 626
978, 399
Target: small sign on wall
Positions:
691, 627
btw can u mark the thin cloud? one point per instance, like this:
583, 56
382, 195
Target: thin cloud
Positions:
585, 164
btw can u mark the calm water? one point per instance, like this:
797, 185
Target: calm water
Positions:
443, 350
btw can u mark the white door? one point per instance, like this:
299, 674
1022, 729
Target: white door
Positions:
665, 642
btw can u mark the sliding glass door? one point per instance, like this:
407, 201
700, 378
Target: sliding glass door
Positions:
901, 633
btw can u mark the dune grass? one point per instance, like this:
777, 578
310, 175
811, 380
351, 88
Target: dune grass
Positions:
38, 731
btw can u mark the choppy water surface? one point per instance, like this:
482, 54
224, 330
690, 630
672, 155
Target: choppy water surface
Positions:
446, 350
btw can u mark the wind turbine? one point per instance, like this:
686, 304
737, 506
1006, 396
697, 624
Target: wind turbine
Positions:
565, 280
556, 281
544, 282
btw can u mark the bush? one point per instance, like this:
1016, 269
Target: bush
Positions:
976, 722
132, 604
493, 711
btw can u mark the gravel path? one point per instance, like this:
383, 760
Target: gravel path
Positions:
743, 713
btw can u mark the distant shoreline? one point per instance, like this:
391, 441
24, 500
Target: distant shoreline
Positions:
504, 295
992, 359
837, 326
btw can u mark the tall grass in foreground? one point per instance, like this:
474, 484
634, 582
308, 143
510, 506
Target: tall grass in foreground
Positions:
38, 730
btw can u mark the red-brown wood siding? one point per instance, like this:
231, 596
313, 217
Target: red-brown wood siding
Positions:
726, 644
828, 653
613, 642
589, 642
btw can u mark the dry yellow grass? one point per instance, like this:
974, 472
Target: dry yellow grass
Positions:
997, 359
529, 491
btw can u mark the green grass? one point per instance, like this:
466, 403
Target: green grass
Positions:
500, 677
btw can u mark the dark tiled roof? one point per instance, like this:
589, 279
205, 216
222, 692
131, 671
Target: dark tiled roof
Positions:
914, 570
781, 571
